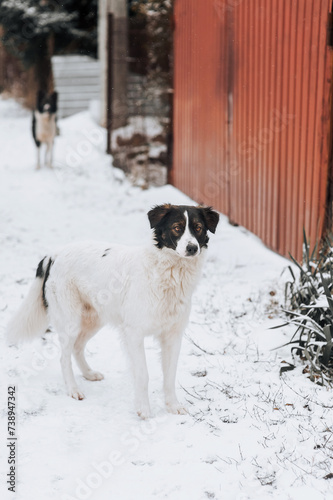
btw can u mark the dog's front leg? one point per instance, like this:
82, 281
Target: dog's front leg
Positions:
38, 158
48, 154
136, 352
170, 347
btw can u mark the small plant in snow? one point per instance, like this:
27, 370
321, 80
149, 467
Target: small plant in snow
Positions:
309, 305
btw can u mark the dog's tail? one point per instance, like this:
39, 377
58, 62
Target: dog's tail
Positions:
31, 320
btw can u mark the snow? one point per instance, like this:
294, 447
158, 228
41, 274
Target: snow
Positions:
249, 434
148, 125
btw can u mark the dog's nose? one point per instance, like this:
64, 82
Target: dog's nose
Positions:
191, 249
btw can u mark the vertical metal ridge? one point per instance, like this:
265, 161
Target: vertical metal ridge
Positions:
313, 159
249, 119
326, 148
299, 121
319, 191
304, 124
239, 140
310, 129
255, 121
266, 88
291, 179
272, 222
282, 129
317, 132
260, 104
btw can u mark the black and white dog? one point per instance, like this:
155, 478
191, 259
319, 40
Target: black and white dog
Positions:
141, 290
44, 124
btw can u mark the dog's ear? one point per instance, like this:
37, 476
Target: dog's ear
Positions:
211, 218
156, 214
53, 101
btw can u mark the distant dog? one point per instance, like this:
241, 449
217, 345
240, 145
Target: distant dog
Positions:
140, 290
44, 124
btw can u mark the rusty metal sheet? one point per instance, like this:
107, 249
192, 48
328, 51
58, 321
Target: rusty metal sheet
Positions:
200, 103
252, 113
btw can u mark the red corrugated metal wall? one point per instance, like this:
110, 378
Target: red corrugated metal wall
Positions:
252, 113
200, 105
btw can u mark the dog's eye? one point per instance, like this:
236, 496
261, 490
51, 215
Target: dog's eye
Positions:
177, 229
198, 228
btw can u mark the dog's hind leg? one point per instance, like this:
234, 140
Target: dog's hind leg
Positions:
48, 154
51, 154
38, 158
67, 342
80, 359
65, 312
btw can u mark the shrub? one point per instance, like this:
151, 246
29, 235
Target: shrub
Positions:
309, 307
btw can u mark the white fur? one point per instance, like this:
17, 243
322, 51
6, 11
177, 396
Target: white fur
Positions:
46, 129
141, 290
186, 239
31, 319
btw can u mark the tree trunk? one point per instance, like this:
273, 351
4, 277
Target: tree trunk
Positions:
43, 66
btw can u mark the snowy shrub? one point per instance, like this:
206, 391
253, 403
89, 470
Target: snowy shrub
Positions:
309, 307
34, 30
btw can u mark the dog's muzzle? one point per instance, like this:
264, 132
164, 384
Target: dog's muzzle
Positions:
191, 250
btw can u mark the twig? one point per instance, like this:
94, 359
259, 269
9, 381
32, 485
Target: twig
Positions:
201, 348
190, 394
307, 397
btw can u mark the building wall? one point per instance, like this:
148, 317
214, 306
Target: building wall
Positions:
77, 81
253, 113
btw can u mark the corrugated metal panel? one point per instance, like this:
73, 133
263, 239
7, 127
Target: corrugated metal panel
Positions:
201, 103
266, 130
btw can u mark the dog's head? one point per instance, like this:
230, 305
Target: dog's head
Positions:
182, 228
47, 103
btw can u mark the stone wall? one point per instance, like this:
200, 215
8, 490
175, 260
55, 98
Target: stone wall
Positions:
143, 99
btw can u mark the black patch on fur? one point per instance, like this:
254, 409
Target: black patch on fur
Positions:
106, 251
54, 102
156, 214
34, 129
211, 218
164, 218
39, 100
40, 270
47, 272
43, 99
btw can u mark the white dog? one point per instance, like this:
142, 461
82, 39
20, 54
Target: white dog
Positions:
141, 290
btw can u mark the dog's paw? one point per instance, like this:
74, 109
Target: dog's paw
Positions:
143, 412
93, 376
76, 394
176, 408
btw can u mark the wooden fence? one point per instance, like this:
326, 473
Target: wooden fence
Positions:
77, 80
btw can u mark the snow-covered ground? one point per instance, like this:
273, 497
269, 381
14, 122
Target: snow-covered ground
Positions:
249, 434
